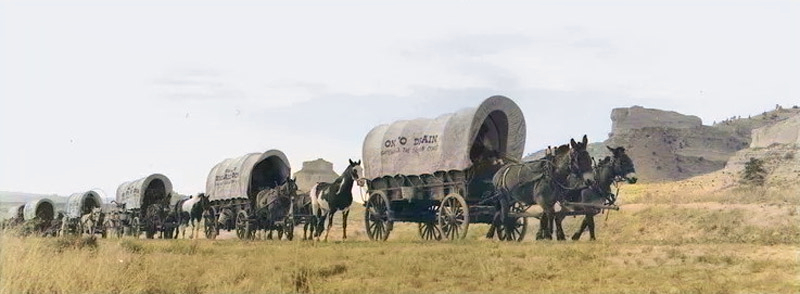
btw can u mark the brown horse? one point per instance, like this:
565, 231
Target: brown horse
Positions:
543, 182
608, 171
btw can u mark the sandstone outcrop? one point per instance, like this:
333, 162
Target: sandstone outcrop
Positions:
313, 172
637, 117
666, 145
782, 132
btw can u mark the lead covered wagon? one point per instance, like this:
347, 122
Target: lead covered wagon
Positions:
146, 202
438, 172
233, 186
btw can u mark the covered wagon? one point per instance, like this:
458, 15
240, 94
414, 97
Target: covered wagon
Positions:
16, 215
41, 212
78, 205
233, 186
438, 172
147, 202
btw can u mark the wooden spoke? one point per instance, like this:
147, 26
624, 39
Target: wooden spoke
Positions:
376, 217
453, 218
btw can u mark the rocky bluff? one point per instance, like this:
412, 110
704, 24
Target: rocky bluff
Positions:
666, 145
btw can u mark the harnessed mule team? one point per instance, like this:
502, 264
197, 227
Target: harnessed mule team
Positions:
465, 167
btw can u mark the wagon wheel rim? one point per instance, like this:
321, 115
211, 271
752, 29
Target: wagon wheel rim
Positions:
210, 230
453, 217
376, 217
242, 225
429, 231
519, 225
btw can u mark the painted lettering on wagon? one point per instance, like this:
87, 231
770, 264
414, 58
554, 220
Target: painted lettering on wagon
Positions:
227, 177
415, 145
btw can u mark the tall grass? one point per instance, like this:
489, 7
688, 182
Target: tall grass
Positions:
652, 245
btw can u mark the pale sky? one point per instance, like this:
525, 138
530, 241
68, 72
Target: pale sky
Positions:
96, 93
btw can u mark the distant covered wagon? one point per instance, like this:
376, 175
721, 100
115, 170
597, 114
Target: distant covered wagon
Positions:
78, 205
42, 210
438, 172
16, 213
147, 201
232, 188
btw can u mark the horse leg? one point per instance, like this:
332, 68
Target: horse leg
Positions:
500, 221
590, 218
344, 223
584, 224
495, 220
545, 228
557, 218
330, 224
320, 225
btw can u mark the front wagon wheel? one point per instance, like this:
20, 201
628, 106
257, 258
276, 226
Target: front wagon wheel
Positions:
454, 217
376, 217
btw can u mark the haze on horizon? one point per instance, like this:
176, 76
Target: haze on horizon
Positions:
96, 93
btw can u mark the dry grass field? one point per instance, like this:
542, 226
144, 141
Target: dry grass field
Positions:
702, 235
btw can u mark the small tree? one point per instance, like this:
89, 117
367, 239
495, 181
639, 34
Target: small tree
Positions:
754, 172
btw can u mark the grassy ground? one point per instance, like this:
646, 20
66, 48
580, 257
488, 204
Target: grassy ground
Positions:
702, 242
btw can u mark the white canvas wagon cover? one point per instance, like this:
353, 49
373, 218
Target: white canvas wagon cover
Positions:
244, 176
449, 142
81, 203
43, 207
144, 191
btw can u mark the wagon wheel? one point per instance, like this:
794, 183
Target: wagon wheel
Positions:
519, 225
210, 223
242, 225
454, 217
429, 231
376, 217
210, 230
136, 227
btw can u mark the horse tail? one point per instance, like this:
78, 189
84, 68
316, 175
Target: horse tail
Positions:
314, 201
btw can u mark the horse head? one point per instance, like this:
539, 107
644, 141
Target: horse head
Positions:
623, 165
290, 188
349, 175
580, 162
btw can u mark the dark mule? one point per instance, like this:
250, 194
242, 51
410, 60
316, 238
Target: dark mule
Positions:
273, 207
608, 171
327, 198
304, 214
544, 182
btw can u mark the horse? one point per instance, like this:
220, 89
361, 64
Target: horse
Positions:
328, 198
273, 205
608, 171
302, 209
154, 220
543, 182
111, 224
191, 214
90, 220
183, 215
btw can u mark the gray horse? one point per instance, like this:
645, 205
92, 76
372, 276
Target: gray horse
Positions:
543, 182
608, 171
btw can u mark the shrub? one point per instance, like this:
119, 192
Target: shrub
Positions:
754, 172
